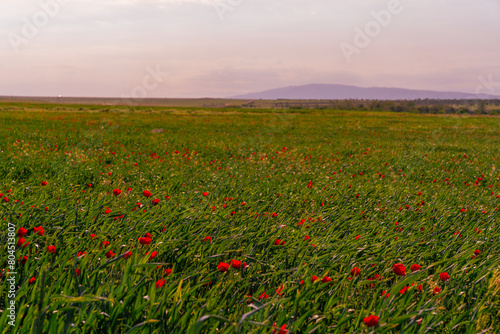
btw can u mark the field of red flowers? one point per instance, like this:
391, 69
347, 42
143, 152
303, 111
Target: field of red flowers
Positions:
200, 221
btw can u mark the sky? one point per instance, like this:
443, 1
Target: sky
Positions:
222, 48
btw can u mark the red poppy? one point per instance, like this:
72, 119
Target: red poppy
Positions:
223, 267
205, 193
39, 230
371, 321
44, 183
21, 241
355, 271
160, 283
399, 269
326, 279
282, 329
127, 255
32, 280
314, 278
167, 272
104, 243
436, 290
145, 240
477, 252
153, 255
404, 290
51, 249
22, 232
208, 239
415, 267
444, 276
110, 254
23, 259
147, 193
264, 295
235, 264
92, 236
78, 272
279, 242
117, 192
81, 254
155, 201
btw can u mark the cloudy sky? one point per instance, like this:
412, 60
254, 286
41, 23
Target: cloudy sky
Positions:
220, 48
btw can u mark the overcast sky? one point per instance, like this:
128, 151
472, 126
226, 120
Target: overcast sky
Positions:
222, 48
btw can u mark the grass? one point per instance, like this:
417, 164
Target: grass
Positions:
369, 189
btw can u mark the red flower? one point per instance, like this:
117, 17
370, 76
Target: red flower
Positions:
444, 276
223, 267
306, 238
357, 237
371, 321
153, 255
314, 278
436, 290
51, 249
44, 183
205, 194
208, 239
22, 232
279, 242
92, 236
160, 283
81, 254
235, 264
39, 230
145, 240
110, 254
355, 271
155, 201
282, 329
105, 243
146, 193
32, 280
21, 241
264, 295
23, 259
415, 267
399, 269
326, 279
167, 272
127, 255
78, 272
403, 290
476, 252
117, 192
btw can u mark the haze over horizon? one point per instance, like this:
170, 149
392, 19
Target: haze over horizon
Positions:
221, 48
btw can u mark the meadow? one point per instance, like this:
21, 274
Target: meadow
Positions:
193, 220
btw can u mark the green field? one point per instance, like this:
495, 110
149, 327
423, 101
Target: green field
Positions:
293, 195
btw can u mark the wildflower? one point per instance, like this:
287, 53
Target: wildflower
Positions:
355, 271
444, 276
223, 267
399, 269
415, 267
371, 321
39, 230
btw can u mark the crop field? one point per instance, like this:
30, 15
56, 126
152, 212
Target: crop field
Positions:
229, 221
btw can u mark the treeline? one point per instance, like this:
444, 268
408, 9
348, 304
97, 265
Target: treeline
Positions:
426, 106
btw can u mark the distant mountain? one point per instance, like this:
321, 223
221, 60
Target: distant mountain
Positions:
344, 92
